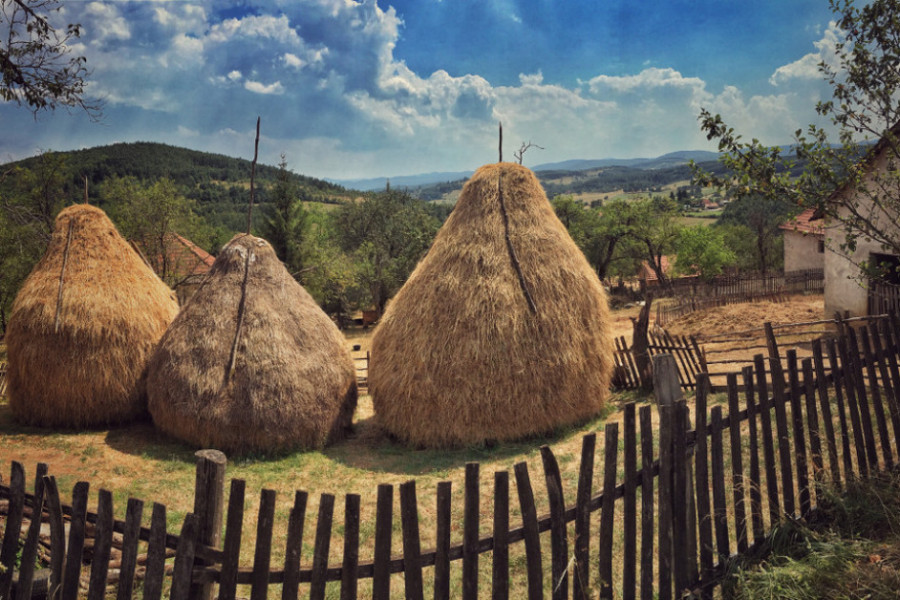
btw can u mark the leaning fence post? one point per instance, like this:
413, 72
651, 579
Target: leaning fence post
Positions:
209, 504
668, 391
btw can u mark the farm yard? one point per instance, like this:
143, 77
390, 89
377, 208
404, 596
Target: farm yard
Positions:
137, 461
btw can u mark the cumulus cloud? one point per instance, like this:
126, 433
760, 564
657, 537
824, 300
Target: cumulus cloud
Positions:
808, 67
261, 88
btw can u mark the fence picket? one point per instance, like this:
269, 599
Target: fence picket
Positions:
799, 434
57, 536
812, 418
384, 517
130, 539
756, 515
471, 512
765, 414
530, 526
322, 547
720, 510
293, 546
780, 400
102, 544
409, 520
29, 550
156, 554
848, 377
500, 557
862, 399
442, 550
875, 394
581, 582
559, 547
737, 464
825, 407
645, 418
890, 392
262, 556
843, 408
607, 511
232, 547
629, 505
701, 475
184, 558
10, 545
350, 563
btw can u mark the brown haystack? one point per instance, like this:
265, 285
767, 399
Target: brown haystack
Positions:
460, 356
83, 327
252, 364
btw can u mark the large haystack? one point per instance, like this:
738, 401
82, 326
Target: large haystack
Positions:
252, 364
83, 327
502, 330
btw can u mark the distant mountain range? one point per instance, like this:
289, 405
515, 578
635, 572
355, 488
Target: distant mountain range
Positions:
672, 159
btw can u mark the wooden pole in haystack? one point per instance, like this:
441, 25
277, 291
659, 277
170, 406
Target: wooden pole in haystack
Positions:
85, 189
501, 142
253, 177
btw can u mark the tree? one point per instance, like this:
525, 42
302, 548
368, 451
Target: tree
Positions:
865, 106
702, 250
286, 221
654, 232
762, 216
151, 215
37, 68
387, 233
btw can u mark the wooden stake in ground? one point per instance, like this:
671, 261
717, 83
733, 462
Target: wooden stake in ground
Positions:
253, 177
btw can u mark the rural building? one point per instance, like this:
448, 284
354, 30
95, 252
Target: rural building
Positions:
844, 290
804, 241
182, 264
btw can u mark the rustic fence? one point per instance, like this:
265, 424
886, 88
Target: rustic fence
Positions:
883, 298
672, 523
689, 359
694, 294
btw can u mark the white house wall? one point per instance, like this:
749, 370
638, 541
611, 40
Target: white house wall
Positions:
801, 252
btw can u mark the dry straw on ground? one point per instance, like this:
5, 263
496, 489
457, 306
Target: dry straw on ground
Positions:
83, 326
252, 364
460, 356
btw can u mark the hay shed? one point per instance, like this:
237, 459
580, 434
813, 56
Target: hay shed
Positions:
252, 364
83, 326
501, 331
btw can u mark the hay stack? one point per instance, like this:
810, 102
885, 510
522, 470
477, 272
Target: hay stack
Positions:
252, 364
83, 327
461, 358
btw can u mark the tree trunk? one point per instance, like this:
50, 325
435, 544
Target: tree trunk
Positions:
639, 344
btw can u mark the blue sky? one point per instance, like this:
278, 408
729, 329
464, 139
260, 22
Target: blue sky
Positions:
350, 89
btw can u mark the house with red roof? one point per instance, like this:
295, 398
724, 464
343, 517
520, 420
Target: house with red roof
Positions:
804, 241
181, 263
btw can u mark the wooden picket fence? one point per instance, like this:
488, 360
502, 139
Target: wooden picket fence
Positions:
689, 358
883, 298
672, 524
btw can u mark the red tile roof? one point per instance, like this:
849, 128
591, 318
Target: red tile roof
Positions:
809, 221
184, 258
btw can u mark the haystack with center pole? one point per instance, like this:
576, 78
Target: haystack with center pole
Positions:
83, 326
252, 364
502, 331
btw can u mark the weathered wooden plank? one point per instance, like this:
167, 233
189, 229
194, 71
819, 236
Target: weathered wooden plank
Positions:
130, 539
581, 583
232, 548
890, 393
667, 389
839, 386
848, 377
384, 517
720, 508
471, 512
701, 458
29, 550
209, 507
825, 408
779, 400
683, 535
293, 546
559, 547
500, 558
737, 463
815, 438
765, 414
799, 433
409, 522
262, 556
530, 527
629, 505
756, 515
442, 550
862, 399
647, 508
156, 554
10, 546
102, 544
322, 547
607, 511
57, 535
350, 563
184, 558
875, 394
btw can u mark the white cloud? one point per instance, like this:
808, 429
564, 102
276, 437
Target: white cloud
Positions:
106, 23
808, 67
261, 88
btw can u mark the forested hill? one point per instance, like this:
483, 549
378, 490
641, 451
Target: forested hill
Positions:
219, 184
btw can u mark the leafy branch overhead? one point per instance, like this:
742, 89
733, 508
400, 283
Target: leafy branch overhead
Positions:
37, 67
852, 180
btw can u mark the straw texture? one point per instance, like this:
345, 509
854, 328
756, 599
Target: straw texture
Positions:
460, 358
83, 326
252, 364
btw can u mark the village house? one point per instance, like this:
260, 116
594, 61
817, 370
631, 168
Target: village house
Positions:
804, 241
183, 265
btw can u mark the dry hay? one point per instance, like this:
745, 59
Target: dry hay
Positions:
748, 316
252, 364
459, 357
83, 326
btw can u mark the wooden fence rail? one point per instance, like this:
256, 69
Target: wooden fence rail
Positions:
671, 524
